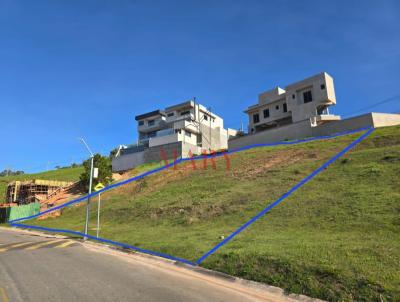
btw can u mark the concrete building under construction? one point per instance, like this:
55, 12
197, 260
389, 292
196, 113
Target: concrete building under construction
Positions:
37, 190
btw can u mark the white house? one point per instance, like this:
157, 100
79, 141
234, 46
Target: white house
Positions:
180, 130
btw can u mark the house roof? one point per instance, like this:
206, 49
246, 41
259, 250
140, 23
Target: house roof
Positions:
149, 114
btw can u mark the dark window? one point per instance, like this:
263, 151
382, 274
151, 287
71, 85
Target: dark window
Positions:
284, 107
185, 112
188, 134
205, 117
322, 86
266, 113
277, 107
307, 96
151, 123
170, 114
256, 118
178, 131
141, 123
293, 96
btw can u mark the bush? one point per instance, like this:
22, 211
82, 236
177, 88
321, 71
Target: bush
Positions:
103, 163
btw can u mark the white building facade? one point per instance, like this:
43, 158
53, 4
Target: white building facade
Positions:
181, 130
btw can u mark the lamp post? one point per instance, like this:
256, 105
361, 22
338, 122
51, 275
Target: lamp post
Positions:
90, 187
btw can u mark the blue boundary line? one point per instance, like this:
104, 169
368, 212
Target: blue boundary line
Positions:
240, 229
145, 251
284, 196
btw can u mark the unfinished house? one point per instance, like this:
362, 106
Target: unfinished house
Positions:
37, 190
308, 99
181, 130
301, 110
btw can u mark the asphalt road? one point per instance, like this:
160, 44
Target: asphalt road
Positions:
35, 268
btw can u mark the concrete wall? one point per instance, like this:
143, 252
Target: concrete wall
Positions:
166, 139
216, 139
153, 154
303, 129
127, 161
353, 123
289, 132
189, 150
383, 119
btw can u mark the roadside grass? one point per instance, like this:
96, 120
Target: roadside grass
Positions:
63, 174
336, 238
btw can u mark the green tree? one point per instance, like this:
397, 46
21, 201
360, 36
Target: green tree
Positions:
103, 163
113, 152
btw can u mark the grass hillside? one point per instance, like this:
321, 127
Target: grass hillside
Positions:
336, 238
64, 174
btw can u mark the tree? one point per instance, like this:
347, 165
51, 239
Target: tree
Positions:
103, 163
113, 152
9, 172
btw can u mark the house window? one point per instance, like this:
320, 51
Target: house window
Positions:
266, 113
277, 107
284, 107
293, 96
307, 96
205, 117
188, 134
256, 118
322, 86
185, 112
178, 131
170, 114
151, 123
141, 123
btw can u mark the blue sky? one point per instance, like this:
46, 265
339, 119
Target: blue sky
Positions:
86, 68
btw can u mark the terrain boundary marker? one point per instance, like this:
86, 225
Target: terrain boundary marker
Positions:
369, 130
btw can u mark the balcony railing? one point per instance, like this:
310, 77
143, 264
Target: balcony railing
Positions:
160, 133
133, 149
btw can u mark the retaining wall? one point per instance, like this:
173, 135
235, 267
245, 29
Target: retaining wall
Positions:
303, 129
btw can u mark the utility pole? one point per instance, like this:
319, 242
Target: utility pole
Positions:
98, 216
210, 129
90, 188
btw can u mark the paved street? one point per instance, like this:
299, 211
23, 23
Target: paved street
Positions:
34, 268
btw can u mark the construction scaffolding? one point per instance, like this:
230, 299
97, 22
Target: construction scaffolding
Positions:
37, 190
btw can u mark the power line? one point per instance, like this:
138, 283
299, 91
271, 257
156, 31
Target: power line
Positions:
385, 101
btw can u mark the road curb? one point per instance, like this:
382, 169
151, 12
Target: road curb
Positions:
35, 233
247, 283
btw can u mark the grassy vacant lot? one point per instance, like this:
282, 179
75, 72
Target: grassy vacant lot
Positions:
337, 238
64, 174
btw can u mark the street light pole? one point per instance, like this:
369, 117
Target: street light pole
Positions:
90, 187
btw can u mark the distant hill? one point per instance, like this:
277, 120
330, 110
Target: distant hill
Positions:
336, 238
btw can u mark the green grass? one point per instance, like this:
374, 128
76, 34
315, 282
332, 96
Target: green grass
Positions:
336, 238
64, 174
